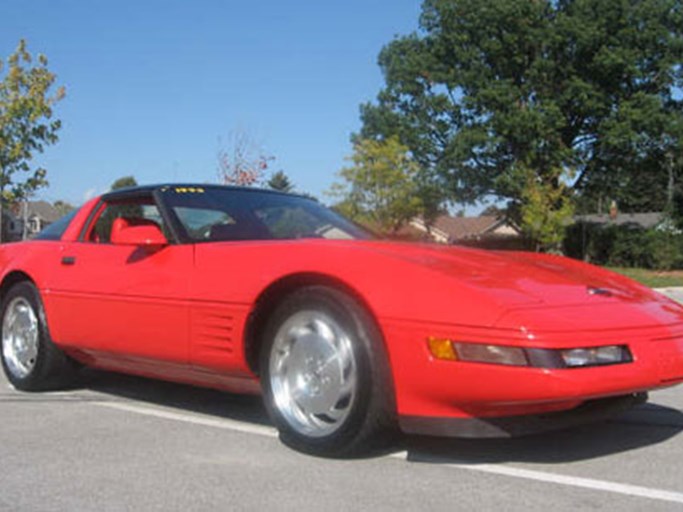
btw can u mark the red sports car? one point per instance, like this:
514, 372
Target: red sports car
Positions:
344, 335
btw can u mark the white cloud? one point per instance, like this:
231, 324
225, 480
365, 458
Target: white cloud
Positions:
89, 194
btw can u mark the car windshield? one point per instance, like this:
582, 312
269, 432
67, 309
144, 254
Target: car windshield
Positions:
219, 214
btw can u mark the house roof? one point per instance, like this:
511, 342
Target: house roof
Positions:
42, 209
458, 228
644, 220
450, 229
411, 232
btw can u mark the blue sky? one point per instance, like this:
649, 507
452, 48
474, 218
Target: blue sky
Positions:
152, 86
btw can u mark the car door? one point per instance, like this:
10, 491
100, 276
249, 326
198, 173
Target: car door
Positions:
116, 299
215, 321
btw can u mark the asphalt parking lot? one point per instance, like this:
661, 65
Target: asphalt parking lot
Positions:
123, 443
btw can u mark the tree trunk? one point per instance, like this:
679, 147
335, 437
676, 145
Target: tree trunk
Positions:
2, 206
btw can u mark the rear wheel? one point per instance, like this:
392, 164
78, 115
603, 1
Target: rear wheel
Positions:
325, 376
29, 358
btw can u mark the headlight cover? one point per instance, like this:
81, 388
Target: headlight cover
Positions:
493, 354
580, 357
595, 356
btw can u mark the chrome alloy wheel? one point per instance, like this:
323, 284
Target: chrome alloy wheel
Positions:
313, 374
20, 337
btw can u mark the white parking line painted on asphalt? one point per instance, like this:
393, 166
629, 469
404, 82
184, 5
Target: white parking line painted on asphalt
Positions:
237, 426
573, 481
501, 470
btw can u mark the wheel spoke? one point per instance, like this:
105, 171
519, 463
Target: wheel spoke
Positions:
337, 414
297, 332
348, 385
324, 330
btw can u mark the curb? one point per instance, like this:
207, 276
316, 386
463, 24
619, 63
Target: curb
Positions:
673, 292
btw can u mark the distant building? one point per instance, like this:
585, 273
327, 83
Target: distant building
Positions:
11, 228
592, 236
647, 220
36, 214
449, 230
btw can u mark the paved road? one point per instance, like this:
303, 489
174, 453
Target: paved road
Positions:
121, 443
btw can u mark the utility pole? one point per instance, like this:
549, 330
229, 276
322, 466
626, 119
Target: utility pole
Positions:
670, 188
24, 229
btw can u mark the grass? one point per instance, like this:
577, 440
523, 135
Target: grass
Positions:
652, 278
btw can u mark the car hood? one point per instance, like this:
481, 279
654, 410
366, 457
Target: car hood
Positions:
521, 279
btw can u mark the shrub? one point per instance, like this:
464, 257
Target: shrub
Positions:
665, 250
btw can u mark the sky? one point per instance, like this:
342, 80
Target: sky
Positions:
155, 88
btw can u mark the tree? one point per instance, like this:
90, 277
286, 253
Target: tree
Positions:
123, 182
546, 209
280, 181
492, 210
242, 162
380, 187
583, 88
26, 123
63, 207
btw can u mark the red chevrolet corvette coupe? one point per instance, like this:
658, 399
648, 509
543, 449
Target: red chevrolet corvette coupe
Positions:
345, 336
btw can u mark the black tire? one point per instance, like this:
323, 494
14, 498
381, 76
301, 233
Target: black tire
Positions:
352, 389
45, 367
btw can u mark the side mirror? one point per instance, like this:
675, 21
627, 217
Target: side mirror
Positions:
147, 235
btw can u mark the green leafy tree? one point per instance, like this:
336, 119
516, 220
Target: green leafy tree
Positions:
492, 211
63, 207
380, 188
123, 182
583, 88
280, 181
546, 209
26, 123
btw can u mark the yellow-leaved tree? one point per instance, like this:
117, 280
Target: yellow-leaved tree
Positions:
380, 188
547, 207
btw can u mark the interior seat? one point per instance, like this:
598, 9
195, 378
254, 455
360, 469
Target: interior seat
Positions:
122, 223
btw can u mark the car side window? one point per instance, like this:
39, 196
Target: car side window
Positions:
203, 223
132, 212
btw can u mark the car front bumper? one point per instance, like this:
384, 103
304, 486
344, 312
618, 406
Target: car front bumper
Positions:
514, 426
490, 400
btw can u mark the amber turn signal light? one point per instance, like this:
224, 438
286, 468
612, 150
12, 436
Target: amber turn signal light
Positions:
441, 348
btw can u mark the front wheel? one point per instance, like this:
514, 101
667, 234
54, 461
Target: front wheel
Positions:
325, 375
29, 358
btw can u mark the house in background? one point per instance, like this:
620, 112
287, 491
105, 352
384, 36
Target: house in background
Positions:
449, 230
35, 215
623, 239
647, 220
11, 227
484, 231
